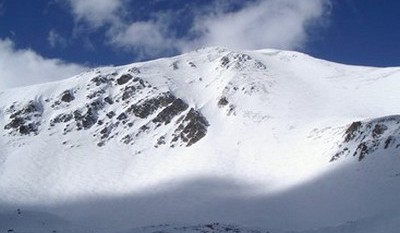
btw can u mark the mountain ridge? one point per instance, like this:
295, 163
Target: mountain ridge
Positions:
269, 121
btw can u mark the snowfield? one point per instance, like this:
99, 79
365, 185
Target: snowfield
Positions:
209, 141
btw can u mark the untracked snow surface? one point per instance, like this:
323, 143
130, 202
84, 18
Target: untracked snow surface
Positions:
210, 141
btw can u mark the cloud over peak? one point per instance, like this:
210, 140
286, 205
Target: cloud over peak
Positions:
257, 24
165, 28
268, 23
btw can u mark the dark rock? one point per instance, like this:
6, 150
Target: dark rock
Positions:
161, 140
196, 129
77, 115
390, 140
27, 129
362, 151
124, 79
364, 138
100, 80
122, 116
109, 100
142, 83
142, 129
56, 103
175, 138
96, 105
67, 130
175, 65
168, 113
110, 114
134, 70
127, 139
67, 96
25, 120
379, 129
231, 109
223, 101
128, 92
106, 131
15, 123
224, 61
96, 94
89, 119
63, 117
148, 107
31, 107
100, 144
339, 154
85, 121
351, 131
192, 128
260, 65
242, 57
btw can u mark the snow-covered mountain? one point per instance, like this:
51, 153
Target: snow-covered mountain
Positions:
268, 139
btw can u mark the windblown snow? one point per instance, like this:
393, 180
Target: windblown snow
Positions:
276, 141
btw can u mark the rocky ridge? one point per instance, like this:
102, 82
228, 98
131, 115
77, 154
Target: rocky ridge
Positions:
362, 138
145, 108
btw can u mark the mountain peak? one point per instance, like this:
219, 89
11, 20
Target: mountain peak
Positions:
255, 123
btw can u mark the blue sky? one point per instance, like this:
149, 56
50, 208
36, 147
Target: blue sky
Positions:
54, 39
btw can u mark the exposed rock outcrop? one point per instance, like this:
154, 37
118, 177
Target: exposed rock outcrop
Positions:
363, 138
135, 112
25, 119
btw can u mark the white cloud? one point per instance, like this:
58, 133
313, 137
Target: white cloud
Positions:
267, 23
144, 37
56, 40
25, 67
96, 12
258, 24
148, 38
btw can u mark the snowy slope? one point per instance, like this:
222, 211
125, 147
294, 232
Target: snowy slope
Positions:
268, 138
